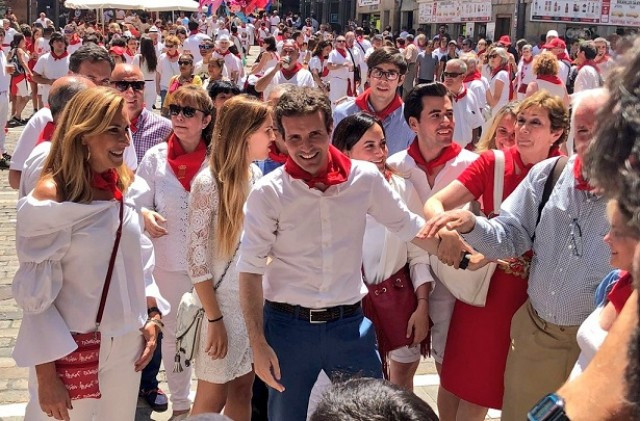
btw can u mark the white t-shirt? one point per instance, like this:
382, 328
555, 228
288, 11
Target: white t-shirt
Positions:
5, 78
588, 78
72, 48
563, 71
50, 68
317, 65
302, 78
167, 70
274, 20
479, 88
502, 76
8, 38
336, 58
232, 63
467, 116
42, 46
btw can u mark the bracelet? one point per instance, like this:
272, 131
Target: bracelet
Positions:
464, 263
215, 320
153, 310
423, 298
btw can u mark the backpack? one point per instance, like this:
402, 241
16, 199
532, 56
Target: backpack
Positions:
19, 70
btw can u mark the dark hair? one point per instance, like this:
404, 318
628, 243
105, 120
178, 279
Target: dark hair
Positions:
413, 104
192, 25
91, 53
589, 49
389, 55
234, 49
26, 30
351, 129
195, 95
269, 44
148, 53
47, 31
17, 39
296, 34
371, 400
91, 39
321, 46
60, 96
181, 30
57, 36
118, 42
303, 101
222, 87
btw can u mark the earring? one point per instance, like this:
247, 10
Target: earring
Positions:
88, 155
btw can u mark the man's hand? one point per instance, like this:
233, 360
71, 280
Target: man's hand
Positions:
460, 220
150, 335
267, 366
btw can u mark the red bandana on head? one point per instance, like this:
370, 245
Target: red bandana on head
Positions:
362, 101
275, 155
445, 156
289, 73
185, 165
107, 181
581, 182
59, 57
621, 291
472, 76
550, 78
47, 133
337, 171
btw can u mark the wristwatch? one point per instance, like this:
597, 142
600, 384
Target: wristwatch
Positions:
549, 408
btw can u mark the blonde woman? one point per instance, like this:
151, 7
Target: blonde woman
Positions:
243, 133
545, 69
501, 133
66, 233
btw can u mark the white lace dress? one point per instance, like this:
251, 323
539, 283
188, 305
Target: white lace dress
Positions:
202, 265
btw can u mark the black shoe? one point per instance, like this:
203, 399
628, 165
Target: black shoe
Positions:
14, 122
156, 399
6, 156
4, 164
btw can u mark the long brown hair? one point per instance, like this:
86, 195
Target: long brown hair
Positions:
239, 118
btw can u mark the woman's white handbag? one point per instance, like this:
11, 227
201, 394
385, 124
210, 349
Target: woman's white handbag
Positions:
190, 315
471, 286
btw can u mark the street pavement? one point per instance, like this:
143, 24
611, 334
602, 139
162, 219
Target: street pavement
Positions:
13, 380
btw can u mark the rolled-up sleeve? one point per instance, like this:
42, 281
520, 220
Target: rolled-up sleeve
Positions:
418, 258
148, 265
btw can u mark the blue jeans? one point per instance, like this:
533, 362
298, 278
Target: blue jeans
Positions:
163, 94
346, 346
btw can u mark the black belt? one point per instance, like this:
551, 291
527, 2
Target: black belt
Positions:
316, 315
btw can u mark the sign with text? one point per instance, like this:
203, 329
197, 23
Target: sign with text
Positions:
363, 3
604, 12
454, 11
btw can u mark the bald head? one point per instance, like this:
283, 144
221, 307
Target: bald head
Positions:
64, 89
124, 71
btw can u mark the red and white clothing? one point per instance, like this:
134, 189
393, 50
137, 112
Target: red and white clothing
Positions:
553, 86
74, 44
42, 46
441, 301
8, 38
524, 77
232, 63
150, 94
502, 76
342, 82
5, 81
320, 66
605, 64
302, 77
51, 67
478, 84
28, 138
167, 69
468, 116
192, 45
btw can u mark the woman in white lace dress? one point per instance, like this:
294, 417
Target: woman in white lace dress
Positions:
242, 134
169, 169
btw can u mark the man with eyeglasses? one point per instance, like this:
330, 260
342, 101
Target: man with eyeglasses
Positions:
570, 261
288, 70
466, 107
387, 68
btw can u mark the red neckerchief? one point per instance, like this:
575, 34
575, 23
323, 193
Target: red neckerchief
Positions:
325, 69
564, 57
362, 101
472, 76
225, 53
289, 73
445, 156
185, 165
589, 63
527, 61
275, 155
621, 291
170, 55
177, 84
129, 52
59, 57
458, 97
337, 171
133, 123
550, 78
75, 40
494, 72
342, 51
581, 182
107, 181
47, 133
194, 32
602, 59
482, 52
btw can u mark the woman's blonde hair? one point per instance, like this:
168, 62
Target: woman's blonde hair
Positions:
239, 118
89, 113
488, 139
545, 63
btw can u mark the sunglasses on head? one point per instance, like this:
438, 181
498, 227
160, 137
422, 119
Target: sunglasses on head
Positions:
123, 85
184, 62
187, 112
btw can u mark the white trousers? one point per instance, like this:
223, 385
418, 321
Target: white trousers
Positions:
119, 384
4, 116
150, 94
172, 286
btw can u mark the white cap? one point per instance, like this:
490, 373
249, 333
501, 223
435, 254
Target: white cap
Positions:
223, 37
552, 33
153, 29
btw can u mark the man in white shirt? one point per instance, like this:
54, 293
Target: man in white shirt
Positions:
192, 43
9, 33
474, 81
588, 72
288, 70
274, 19
154, 35
466, 107
231, 62
44, 20
357, 58
433, 161
308, 217
52, 65
603, 59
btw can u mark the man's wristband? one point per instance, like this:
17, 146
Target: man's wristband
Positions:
464, 263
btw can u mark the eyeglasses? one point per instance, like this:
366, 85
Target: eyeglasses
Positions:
205, 47
185, 62
187, 112
123, 85
451, 75
170, 45
378, 74
492, 55
575, 233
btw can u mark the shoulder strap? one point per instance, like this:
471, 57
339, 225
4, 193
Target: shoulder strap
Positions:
498, 181
552, 179
112, 261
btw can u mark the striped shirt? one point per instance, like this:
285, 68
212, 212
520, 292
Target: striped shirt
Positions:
570, 256
150, 130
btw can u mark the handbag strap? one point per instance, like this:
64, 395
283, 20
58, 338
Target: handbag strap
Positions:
217, 284
498, 181
112, 261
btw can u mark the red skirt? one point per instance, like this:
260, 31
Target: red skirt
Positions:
479, 338
14, 83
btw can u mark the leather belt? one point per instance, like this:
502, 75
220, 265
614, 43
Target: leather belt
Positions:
316, 315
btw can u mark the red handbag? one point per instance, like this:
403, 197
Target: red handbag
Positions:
389, 305
79, 370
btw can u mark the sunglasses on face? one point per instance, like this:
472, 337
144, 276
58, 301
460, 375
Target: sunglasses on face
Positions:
492, 55
185, 62
187, 112
341, 40
170, 45
451, 75
205, 47
123, 85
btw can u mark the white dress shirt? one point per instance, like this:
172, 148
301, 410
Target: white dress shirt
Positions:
588, 78
315, 238
468, 116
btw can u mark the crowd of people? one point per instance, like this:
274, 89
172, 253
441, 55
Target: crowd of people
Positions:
322, 205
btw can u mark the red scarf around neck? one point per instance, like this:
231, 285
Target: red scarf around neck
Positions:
446, 155
129, 52
194, 32
362, 101
342, 51
589, 63
621, 291
289, 73
133, 123
494, 72
275, 155
602, 59
337, 171
107, 181
525, 61
227, 52
564, 57
185, 165
482, 52
47, 133
472, 76
75, 40
173, 55
325, 69
550, 78
581, 182
459, 96
59, 57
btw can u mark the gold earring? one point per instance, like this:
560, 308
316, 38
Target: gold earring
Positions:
88, 155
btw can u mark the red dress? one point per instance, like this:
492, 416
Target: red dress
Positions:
479, 337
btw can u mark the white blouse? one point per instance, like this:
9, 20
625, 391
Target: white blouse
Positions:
384, 253
63, 250
170, 200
